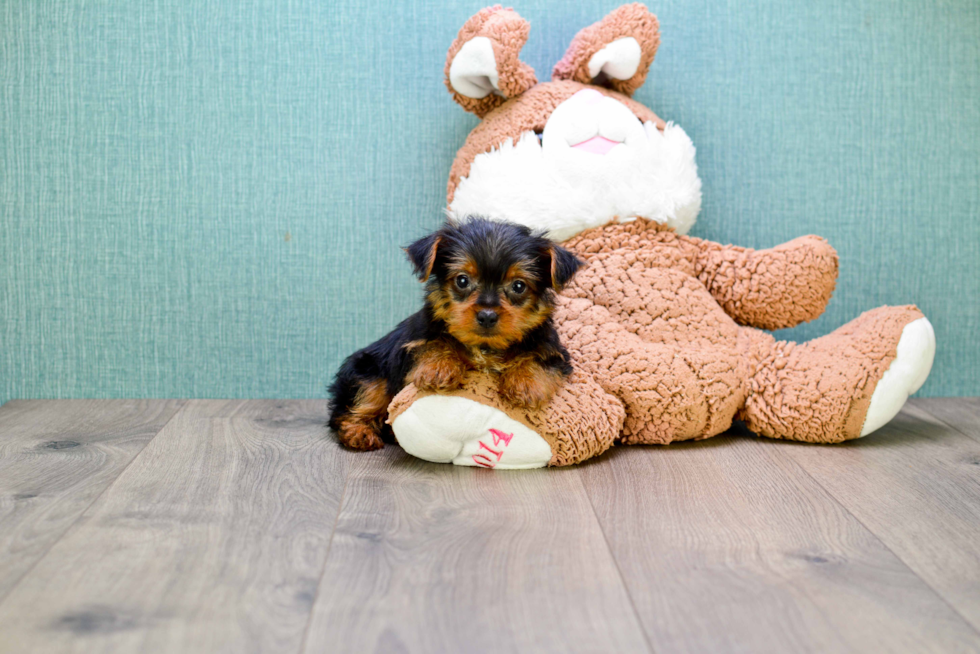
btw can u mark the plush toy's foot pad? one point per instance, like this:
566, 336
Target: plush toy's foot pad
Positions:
905, 375
445, 428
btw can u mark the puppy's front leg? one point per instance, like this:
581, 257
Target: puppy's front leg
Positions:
528, 384
360, 427
439, 367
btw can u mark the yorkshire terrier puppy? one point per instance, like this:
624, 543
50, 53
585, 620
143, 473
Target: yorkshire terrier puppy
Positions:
489, 293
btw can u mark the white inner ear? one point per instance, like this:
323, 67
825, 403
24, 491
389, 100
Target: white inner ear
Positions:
473, 72
618, 60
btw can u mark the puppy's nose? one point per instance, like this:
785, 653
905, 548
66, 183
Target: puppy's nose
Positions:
487, 318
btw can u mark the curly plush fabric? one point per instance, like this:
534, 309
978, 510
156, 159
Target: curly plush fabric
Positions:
654, 318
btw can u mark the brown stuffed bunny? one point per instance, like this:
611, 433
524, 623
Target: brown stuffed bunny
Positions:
664, 329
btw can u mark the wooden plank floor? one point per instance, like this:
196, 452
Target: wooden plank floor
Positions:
240, 526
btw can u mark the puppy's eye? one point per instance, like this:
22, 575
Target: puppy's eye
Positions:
518, 287
462, 281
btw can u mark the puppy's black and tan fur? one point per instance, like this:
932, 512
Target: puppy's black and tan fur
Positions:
489, 295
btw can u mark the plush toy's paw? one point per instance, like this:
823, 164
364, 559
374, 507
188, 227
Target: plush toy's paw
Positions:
447, 429
439, 375
905, 375
360, 437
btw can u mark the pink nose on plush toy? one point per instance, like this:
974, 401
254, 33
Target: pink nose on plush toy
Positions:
596, 145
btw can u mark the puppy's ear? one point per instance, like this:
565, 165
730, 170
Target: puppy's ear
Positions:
564, 265
422, 253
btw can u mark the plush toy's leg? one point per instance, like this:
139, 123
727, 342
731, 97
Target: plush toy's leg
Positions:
670, 392
474, 427
843, 385
674, 394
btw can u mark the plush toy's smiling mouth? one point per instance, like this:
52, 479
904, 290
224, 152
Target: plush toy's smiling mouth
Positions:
596, 145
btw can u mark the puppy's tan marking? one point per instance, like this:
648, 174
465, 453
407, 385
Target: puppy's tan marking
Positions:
528, 385
360, 429
439, 367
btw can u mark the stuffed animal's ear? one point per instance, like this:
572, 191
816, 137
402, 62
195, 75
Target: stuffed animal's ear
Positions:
482, 67
616, 52
564, 265
422, 253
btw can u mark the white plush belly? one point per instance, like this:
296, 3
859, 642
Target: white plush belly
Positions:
594, 164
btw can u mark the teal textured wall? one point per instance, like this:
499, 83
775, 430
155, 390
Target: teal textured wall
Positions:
207, 199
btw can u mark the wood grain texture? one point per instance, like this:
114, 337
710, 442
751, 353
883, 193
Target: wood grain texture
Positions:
727, 545
432, 558
56, 457
243, 527
213, 539
915, 484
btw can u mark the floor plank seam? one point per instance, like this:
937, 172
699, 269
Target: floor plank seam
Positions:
877, 538
622, 579
922, 407
326, 558
183, 403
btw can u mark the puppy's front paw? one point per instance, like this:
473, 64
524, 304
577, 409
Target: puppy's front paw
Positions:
525, 389
439, 375
359, 436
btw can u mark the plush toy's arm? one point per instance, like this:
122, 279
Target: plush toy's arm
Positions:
770, 289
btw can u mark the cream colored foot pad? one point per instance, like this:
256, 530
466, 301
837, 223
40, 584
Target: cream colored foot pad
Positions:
446, 429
